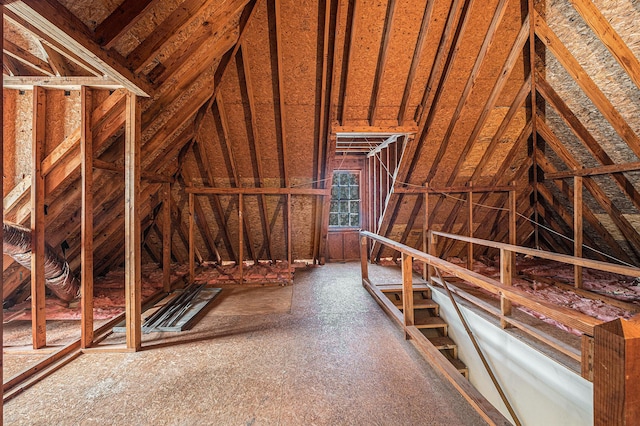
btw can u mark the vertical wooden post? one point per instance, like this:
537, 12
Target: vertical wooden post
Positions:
364, 258
241, 236
407, 291
506, 278
133, 303
166, 237
86, 158
425, 233
577, 228
1, 208
470, 245
289, 236
513, 220
616, 375
192, 261
38, 307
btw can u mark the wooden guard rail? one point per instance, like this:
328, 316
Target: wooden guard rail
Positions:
609, 349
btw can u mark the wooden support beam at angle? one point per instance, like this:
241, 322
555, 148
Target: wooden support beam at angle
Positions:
588, 86
27, 58
133, 285
68, 30
170, 27
609, 38
254, 145
629, 232
38, 307
86, 218
382, 62
59, 83
121, 20
595, 171
383, 145
589, 216
59, 64
350, 39
415, 61
280, 83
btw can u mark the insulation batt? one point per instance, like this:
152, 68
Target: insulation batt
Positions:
58, 276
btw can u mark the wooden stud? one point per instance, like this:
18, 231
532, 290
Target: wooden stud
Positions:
407, 291
364, 258
38, 307
86, 154
577, 228
240, 236
166, 237
506, 274
133, 285
513, 224
426, 270
192, 267
382, 61
352, 29
1, 213
470, 226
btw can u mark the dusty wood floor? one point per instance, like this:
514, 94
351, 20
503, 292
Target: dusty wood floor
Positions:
320, 352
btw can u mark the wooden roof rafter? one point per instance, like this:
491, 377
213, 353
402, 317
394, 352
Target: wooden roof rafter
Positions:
64, 27
347, 57
122, 19
382, 61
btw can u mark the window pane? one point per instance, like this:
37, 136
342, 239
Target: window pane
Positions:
355, 220
343, 207
355, 193
344, 179
345, 199
333, 219
353, 179
344, 219
355, 207
334, 207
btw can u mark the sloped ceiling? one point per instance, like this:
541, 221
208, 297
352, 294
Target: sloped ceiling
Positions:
251, 93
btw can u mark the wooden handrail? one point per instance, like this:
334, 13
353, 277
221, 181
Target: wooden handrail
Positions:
566, 316
564, 258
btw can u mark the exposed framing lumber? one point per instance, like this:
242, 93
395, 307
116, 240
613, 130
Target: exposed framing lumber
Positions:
64, 27
133, 285
282, 113
59, 64
253, 140
350, 37
577, 228
166, 237
609, 37
589, 87
86, 153
192, 244
122, 19
27, 58
595, 171
621, 222
38, 307
1, 213
382, 61
415, 60
60, 83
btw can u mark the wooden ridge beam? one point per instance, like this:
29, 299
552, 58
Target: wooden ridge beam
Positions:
63, 26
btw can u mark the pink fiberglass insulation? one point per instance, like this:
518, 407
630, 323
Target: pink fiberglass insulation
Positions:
58, 276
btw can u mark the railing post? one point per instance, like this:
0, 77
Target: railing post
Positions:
407, 291
506, 278
470, 245
364, 258
513, 217
616, 375
425, 232
431, 249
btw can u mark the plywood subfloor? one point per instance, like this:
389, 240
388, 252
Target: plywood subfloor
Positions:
334, 358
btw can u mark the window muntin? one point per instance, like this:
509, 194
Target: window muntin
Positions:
344, 211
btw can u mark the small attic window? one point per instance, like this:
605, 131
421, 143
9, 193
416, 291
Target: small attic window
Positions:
344, 211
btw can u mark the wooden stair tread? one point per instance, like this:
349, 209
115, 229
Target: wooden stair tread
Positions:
419, 304
430, 322
395, 288
458, 364
442, 342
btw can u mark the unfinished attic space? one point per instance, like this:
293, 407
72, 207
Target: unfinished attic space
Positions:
321, 212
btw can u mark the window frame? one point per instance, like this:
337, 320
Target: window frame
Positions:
359, 200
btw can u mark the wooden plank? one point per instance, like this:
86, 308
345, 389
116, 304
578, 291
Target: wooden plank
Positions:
60, 83
173, 24
382, 61
506, 278
64, 27
38, 308
350, 39
121, 20
280, 82
408, 129
27, 58
585, 82
577, 228
59, 64
415, 60
240, 236
257, 191
609, 37
595, 171
192, 264
86, 218
166, 237
407, 291
400, 189
470, 227
133, 284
